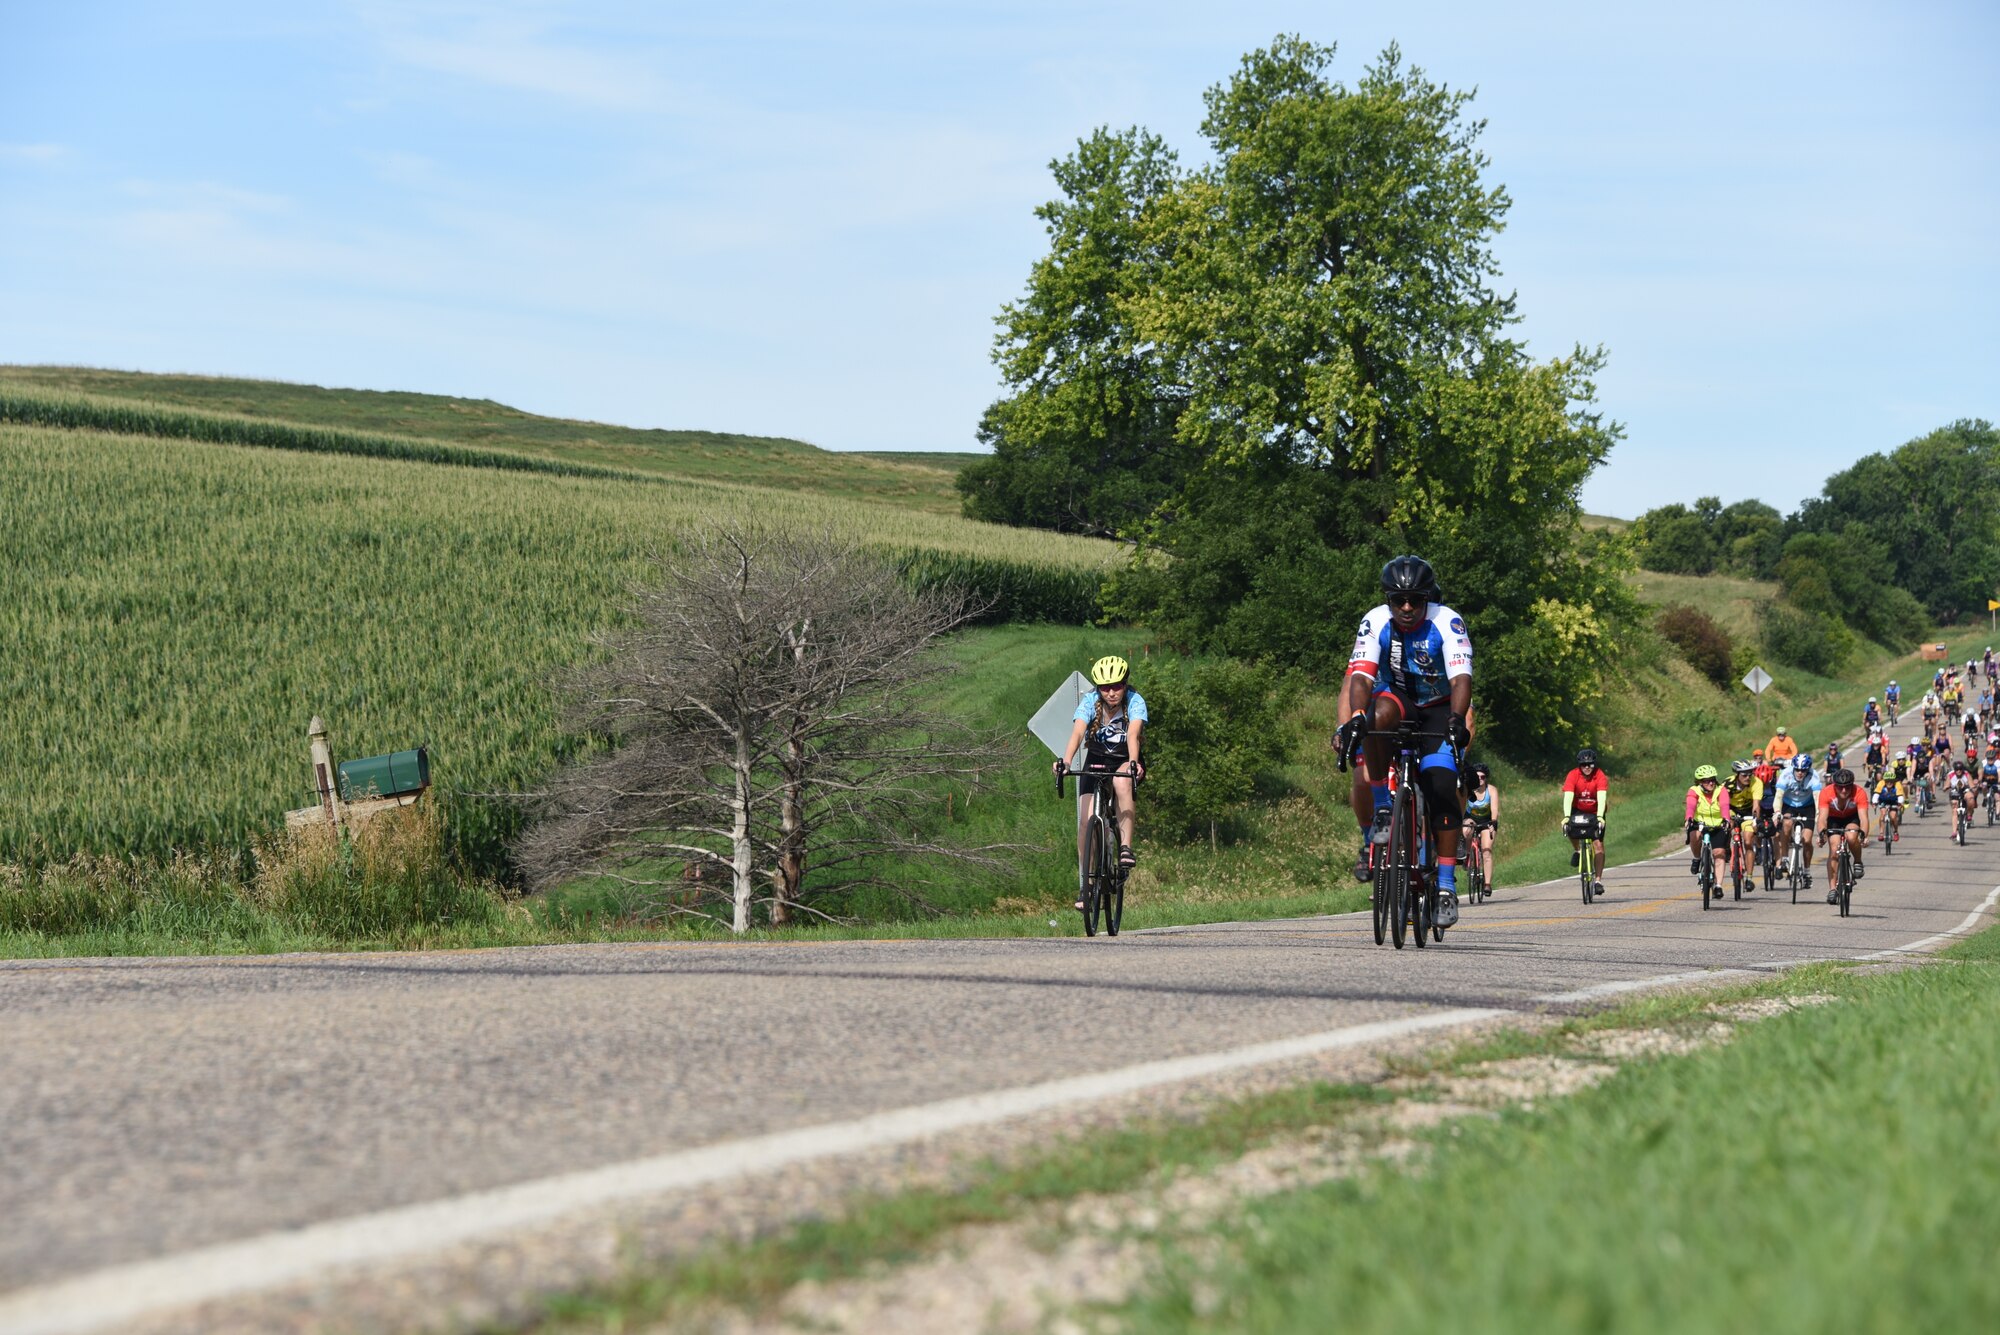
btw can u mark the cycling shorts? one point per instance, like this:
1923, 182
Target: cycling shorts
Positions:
1806, 814
1836, 824
1433, 717
1097, 772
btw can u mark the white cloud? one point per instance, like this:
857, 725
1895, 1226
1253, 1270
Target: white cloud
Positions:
32, 154
515, 47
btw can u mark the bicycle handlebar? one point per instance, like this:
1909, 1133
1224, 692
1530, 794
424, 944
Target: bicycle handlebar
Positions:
1120, 772
1349, 753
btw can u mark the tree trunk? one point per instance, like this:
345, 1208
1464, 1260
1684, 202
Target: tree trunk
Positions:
740, 837
791, 832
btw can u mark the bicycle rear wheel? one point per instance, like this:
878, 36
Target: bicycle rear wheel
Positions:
1423, 876
1093, 873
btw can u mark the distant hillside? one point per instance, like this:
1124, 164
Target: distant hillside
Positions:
950, 460
917, 481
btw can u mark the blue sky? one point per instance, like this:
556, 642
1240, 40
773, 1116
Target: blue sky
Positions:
1783, 220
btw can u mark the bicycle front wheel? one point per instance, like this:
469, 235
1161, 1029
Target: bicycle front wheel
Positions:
1113, 902
1093, 874
1401, 852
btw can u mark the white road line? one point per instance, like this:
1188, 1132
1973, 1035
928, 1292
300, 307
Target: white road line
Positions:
1915, 947
1600, 990
126, 1292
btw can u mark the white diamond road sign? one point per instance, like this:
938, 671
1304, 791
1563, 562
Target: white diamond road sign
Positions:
1052, 721
1757, 681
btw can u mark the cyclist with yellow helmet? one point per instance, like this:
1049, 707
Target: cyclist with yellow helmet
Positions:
1707, 814
1108, 724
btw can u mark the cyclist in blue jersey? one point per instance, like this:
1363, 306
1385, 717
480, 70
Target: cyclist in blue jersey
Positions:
1412, 659
1892, 696
1798, 803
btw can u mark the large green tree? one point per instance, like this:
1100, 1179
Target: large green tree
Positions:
1085, 441
1322, 295
1935, 504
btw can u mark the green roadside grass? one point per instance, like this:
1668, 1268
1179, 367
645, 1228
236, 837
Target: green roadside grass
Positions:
1709, 1149
1834, 1168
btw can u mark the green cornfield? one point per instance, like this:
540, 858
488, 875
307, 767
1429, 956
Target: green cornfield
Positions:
139, 418
174, 612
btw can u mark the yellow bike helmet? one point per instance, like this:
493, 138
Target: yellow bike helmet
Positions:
1704, 772
1110, 670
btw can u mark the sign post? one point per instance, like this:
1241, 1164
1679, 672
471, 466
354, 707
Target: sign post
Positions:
1051, 723
1758, 681
1991, 607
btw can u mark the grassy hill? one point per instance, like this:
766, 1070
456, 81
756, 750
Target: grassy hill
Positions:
917, 481
1731, 601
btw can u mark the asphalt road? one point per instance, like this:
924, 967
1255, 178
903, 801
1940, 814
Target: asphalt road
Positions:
150, 1107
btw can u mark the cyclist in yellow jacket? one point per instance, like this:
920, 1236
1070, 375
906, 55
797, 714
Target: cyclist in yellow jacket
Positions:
1706, 808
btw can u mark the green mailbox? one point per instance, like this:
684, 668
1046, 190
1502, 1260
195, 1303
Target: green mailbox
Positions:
393, 775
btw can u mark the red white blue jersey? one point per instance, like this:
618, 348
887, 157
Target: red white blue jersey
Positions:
1419, 666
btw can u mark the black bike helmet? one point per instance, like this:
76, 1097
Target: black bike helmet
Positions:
1411, 574
1587, 756
1844, 779
1482, 771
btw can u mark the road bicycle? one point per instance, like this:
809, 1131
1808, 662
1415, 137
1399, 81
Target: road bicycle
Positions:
1923, 795
1992, 792
1404, 899
1841, 867
1705, 862
1472, 864
1959, 820
1892, 829
1739, 858
1587, 832
1098, 869
1767, 852
1797, 870
1892, 713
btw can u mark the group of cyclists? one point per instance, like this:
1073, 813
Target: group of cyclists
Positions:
1412, 661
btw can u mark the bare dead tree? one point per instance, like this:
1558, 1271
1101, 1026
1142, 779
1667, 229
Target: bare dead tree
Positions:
765, 721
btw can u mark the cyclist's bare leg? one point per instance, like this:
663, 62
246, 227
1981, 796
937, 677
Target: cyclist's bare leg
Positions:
1086, 807
1384, 714
1123, 786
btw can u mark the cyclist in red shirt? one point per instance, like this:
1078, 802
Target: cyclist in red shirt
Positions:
1843, 814
1584, 798
1767, 774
